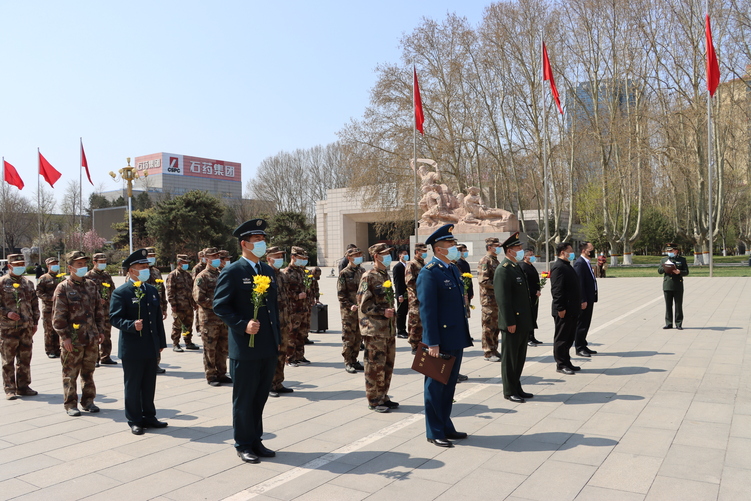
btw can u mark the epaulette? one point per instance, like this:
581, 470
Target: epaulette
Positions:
430, 265
505, 265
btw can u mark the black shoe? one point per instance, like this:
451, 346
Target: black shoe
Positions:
514, 398
96, 364
566, 370
524, 394
457, 435
303, 361
284, 389
92, 408
136, 430
536, 341
307, 341
160, 370
583, 353
51, 355
177, 348
191, 346
531, 343
248, 457
26, 392
414, 351
107, 361
357, 365
575, 368
263, 452
440, 442
154, 423
668, 327
73, 412
402, 336
680, 328
273, 393
379, 408
391, 405
225, 379
214, 382
462, 378
591, 352
362, 346
350, 369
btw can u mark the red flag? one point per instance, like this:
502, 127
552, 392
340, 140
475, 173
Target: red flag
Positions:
547, 74
12, 177
85, 164
713, 68
419, 117
47, 171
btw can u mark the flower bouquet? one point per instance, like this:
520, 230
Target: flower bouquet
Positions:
261, 285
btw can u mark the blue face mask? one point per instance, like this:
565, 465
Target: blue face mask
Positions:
301, 262
152, 261
358, 260
519, 255
278, 263
453, 253
405, 258
386, 260
82, 271
498, 250
19, 270
144, 275
424, 255
259, 248
671, 254
216, 263
532, 259
465, 254
101, 266
571, 256
55, 268
184, 266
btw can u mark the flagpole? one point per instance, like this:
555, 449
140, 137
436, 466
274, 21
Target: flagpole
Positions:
39, 203
80, 187
4, 208
545, 158
414, 148
709, 162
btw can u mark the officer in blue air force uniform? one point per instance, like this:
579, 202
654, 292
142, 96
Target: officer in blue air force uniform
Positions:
440, 291
252, 368
142, 338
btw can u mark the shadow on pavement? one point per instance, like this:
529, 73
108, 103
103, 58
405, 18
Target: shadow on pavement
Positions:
585, 397
546, 441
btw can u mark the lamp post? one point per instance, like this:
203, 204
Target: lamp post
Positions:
129, 174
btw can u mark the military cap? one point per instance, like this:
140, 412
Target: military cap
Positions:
670, 246
151, 250
210, 251
379, 248
200, 253
445, 232
223, 254
511, 241
492, 240
252, 227
182, 257
354, 250
75, 256
99, 256
274, 250
299, 251
138, 257
51, 260
421, 247
16, 258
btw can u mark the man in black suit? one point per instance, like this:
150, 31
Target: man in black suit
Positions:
567, 304
252, 368
533, 281
588, 286
400, 289
135, 310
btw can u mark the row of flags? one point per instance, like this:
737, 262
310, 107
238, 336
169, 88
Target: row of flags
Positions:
46, 170
713, 77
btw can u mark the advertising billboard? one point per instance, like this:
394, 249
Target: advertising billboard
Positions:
185, 165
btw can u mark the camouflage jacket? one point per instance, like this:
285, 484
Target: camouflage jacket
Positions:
315, 291
105, 293
281, 294
157, 275
411, 270
197, 269
78, 302
485, 274
203, 295
46, 289
373, 302
294, 280
27, 305
348, 285
180, 290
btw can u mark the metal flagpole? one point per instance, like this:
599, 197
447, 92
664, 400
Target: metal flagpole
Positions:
709, 170
80, 187
4, 208
39, 204
545, 158
414, 148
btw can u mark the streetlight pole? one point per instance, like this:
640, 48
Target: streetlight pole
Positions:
129, 174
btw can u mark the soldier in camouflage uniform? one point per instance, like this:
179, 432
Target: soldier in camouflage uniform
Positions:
298, 303
485, 274
375, 299
412, 269
78, 318
214, 332
156, 280
180, 298
346, 288
225, 257
198, 268
19, 316
100, 277
46, 292
315, 298
275, 258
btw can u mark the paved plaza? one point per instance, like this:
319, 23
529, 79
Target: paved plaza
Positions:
657, 415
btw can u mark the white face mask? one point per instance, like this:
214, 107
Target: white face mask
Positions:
277, 263
101, 266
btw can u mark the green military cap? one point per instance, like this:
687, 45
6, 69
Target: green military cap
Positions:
670, 246
379, 248
354, 250
99, 256
299, 251
512, 241
210, 251
75, 256
16, 258
274, 250
51, 260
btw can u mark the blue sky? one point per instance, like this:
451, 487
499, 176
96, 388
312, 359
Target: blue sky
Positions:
231, 80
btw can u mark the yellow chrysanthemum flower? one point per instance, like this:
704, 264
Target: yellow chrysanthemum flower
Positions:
60, 275
467, 275
16, 286
387, 284
76, 326
137, 283
106, 285
159, 280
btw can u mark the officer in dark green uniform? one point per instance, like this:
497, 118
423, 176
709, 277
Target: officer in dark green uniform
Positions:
673, 268
514, 317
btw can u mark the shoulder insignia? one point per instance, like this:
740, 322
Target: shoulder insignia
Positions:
430, 265
505, 265
363, 286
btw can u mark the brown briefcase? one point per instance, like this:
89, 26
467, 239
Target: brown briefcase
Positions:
438, 368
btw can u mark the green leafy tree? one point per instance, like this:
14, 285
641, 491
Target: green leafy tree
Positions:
292, 228
140, 235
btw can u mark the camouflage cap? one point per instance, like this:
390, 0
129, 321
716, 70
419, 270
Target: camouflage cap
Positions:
182, 257
299, 251
200, 253
274, 250
210, 251
16, 258
75, 256
492, 240
421, 247
51, 260
151, 250
223, 254
353, 251
379, 248
99, 256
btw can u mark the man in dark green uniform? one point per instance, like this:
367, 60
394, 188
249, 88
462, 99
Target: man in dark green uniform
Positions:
673, 268
514, 317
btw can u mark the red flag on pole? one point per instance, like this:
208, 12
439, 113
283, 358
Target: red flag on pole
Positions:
713, 67
47, 171
419, 117
547, 74
85, 164
12, 177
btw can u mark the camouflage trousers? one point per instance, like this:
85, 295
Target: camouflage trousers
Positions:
215, 339
414, 326
105, 349
51, 339
299, 325
182, 321
80, 362
15, 347
379, 367
351, 338
490, 331
281, 359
